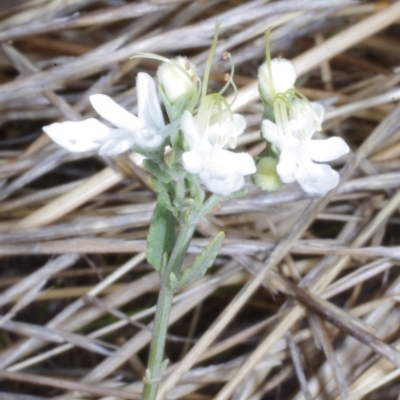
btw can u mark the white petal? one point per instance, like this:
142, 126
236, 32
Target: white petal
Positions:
240, 124
189, 130
306, 118
80, 136
116, 146
223, 165
149, 107
242, 163
148, 137
114, 113
319, 111
316, 178
287, 167
222, 186
325, 150
193, 162
269, 131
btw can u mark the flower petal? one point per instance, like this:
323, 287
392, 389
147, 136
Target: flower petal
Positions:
224, 163
116, 146
189, 130
325, 150
148, 138
243, 164
319, 111
240, 124
80, 136
287, 167
114, 113
226, 186
316, 178
193, 162
269, 131
149, 107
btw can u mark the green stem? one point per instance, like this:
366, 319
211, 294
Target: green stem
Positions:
164, 304
155, 364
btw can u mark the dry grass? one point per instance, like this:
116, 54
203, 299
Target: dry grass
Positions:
302, 301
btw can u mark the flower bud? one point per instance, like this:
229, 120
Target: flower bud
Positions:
283, 78
177, 79
266, 176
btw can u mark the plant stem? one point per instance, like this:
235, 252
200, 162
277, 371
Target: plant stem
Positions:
155, 363
164, 304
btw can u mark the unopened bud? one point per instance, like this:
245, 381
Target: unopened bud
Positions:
177, 79
283, 78
266, 176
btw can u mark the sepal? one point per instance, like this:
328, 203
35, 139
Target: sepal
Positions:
156, 170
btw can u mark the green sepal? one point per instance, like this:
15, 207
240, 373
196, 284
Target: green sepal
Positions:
183, 204
156, 170
200, 264
176, 109
155, 154
162, 236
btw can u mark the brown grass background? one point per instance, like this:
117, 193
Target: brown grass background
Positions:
302, 302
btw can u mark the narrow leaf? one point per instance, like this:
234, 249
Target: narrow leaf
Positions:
162, 235
200, 264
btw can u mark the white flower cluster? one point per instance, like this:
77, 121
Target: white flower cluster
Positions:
209, 130
220, 170
296, 121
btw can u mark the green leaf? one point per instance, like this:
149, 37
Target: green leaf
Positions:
200, 264
162, 236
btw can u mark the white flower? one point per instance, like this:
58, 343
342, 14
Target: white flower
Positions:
221, 171
147, 130
298, 152
177, 78
283, 76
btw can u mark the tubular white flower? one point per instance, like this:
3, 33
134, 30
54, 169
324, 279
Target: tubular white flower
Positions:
221, 171
147, 130
298, 152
